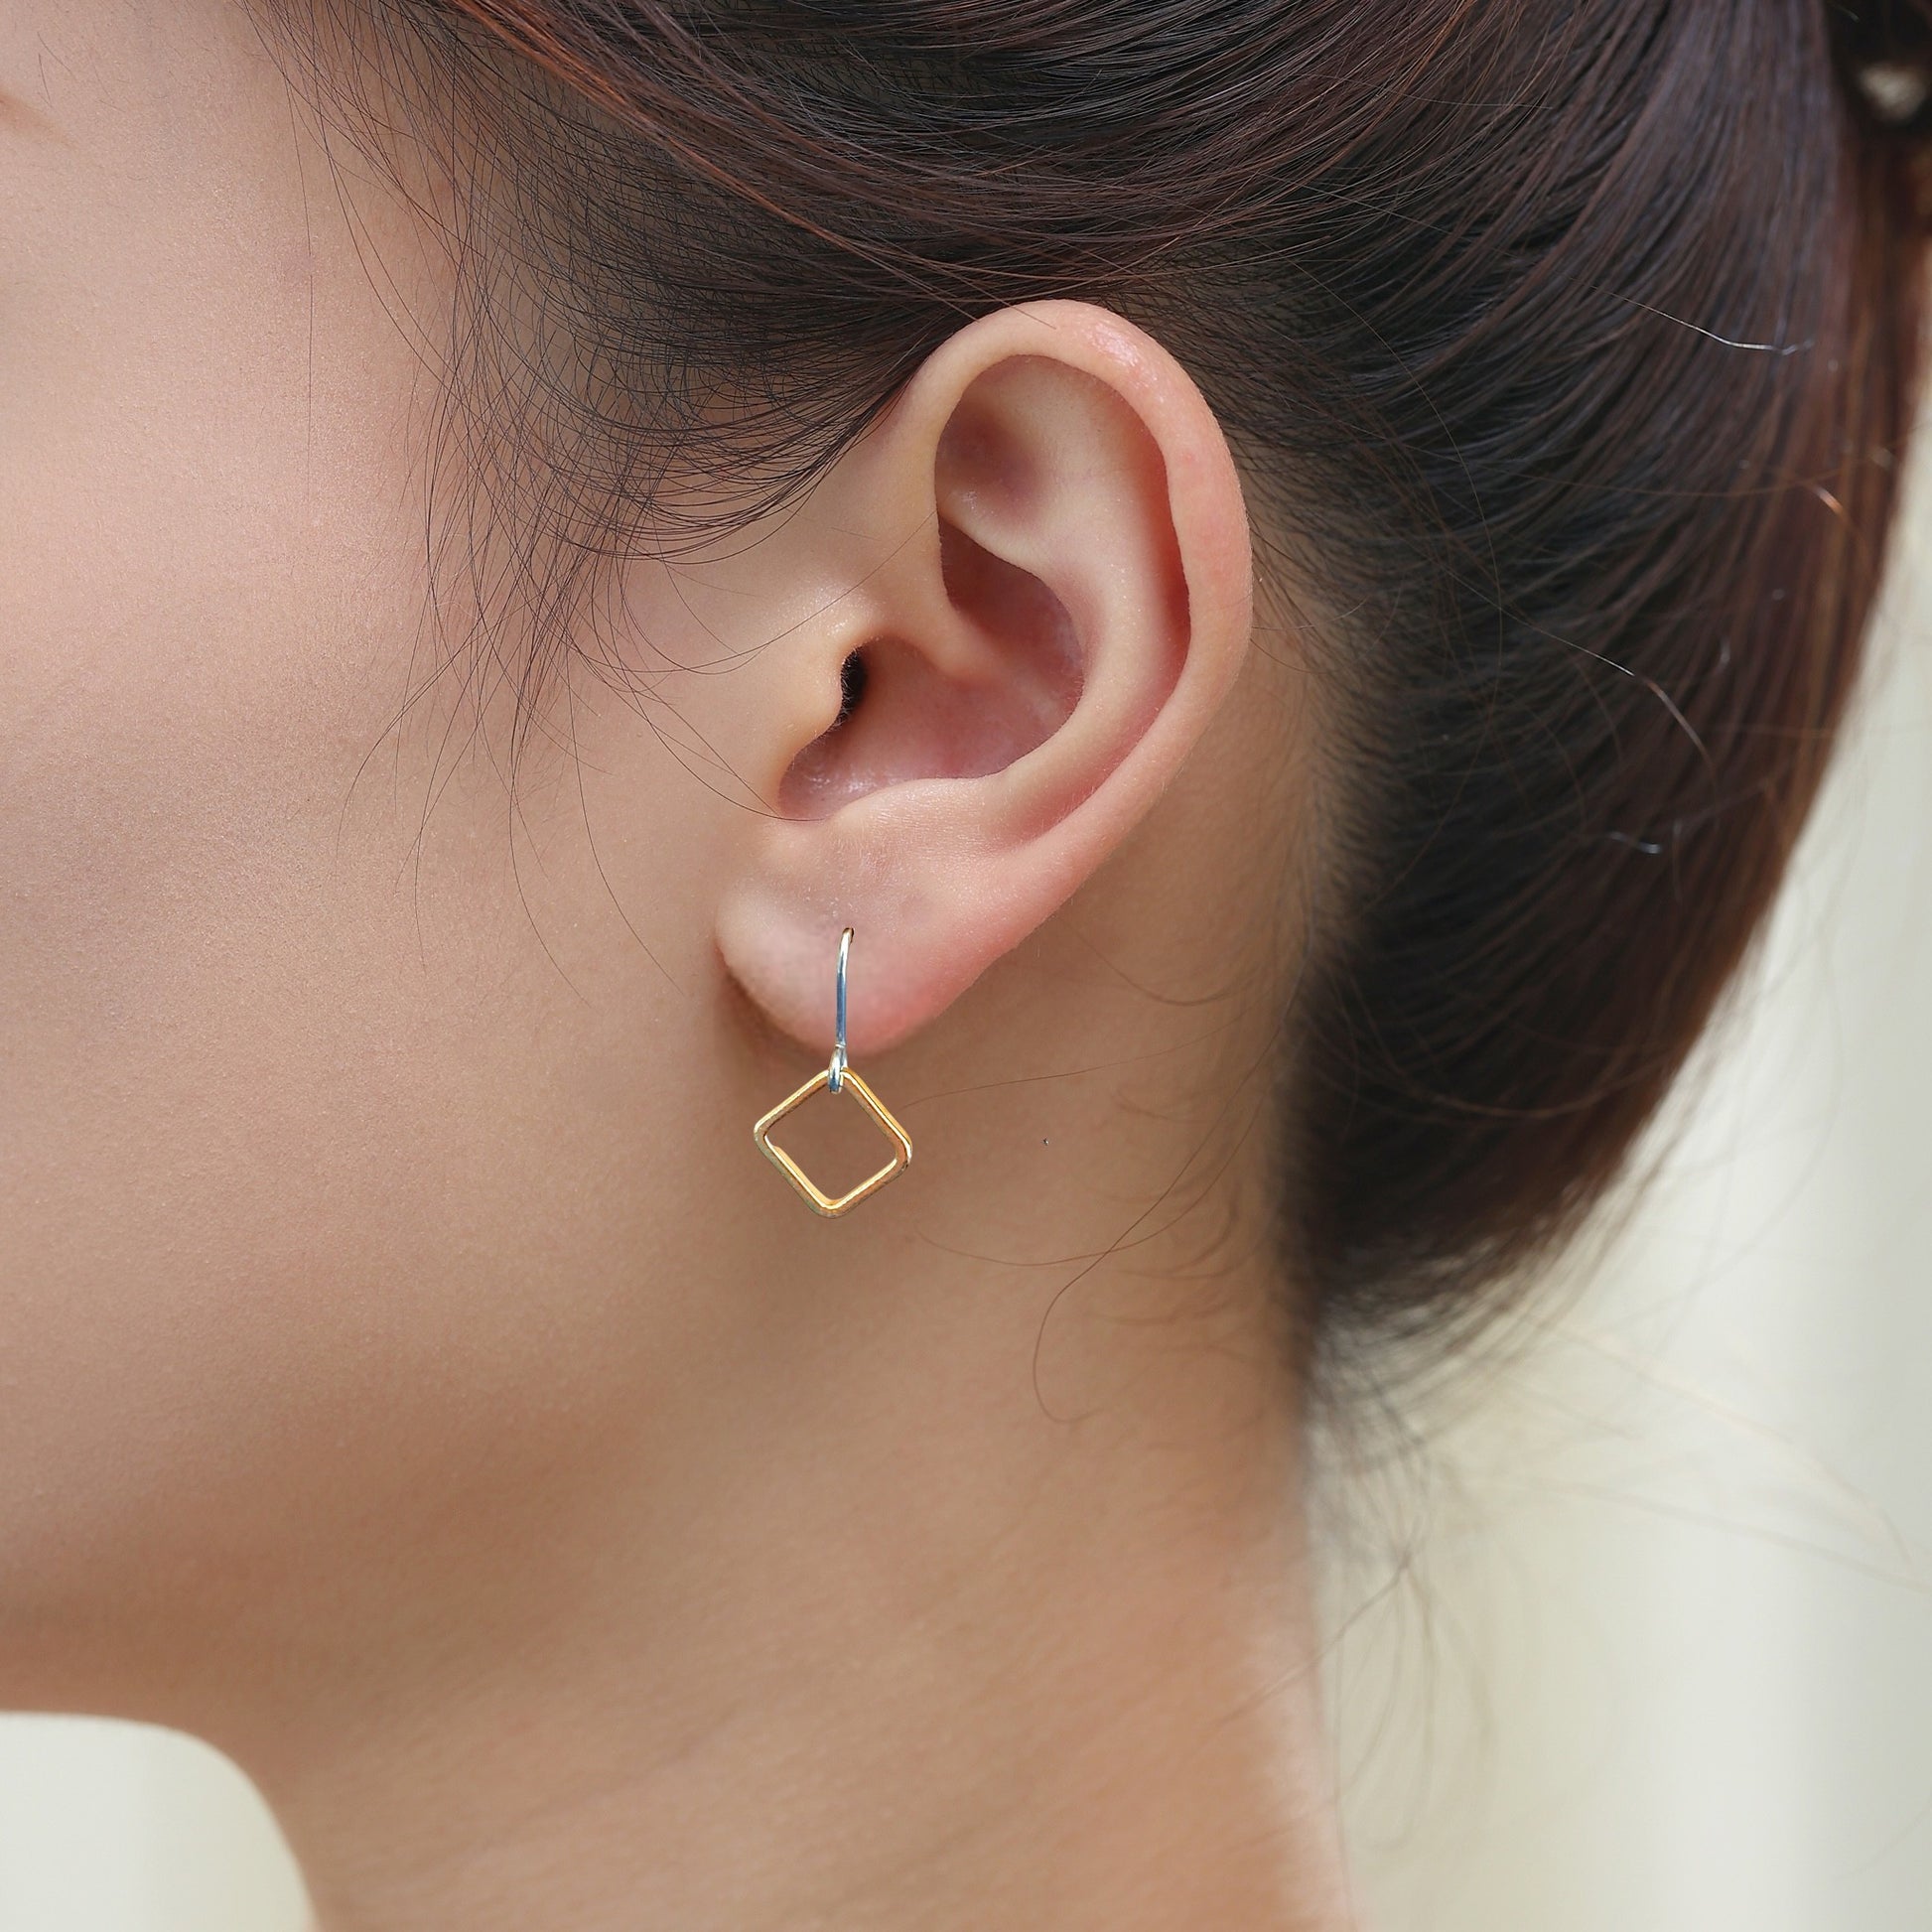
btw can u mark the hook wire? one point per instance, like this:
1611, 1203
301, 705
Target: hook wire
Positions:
837, 1077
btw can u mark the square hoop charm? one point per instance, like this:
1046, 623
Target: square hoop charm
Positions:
814, 1197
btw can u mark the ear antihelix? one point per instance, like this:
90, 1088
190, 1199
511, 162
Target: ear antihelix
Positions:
836, 1078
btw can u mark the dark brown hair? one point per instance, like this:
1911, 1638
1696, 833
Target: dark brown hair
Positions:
1567, 346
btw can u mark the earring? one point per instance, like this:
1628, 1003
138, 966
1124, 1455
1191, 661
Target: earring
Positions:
836, 1078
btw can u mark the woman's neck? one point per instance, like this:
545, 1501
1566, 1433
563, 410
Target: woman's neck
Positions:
928, 1610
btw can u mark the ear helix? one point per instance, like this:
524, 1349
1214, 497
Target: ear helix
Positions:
836, 1078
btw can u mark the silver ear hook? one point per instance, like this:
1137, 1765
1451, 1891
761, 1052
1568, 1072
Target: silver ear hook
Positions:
836, 1079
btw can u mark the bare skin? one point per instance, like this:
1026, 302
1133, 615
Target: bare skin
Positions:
416, 1383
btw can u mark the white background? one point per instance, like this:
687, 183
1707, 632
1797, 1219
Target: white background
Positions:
1641, 1640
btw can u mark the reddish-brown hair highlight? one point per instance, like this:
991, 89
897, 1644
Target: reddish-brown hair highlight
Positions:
1569, 350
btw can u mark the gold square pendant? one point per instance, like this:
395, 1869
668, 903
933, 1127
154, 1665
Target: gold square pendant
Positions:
815, 1199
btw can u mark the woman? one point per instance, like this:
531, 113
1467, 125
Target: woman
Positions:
1238, 605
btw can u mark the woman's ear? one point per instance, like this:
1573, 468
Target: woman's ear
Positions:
1051, 593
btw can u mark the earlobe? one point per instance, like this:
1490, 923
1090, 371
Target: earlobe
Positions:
1055, 600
